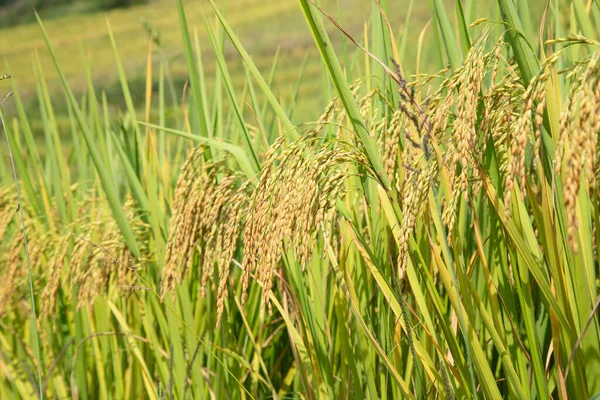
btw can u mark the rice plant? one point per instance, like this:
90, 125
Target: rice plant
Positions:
430, 235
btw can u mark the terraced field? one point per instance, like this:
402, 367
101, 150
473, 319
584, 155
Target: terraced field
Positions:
264, 26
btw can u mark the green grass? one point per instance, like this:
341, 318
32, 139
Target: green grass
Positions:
380, 234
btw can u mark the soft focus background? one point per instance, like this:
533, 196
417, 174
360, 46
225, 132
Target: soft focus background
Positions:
273, 31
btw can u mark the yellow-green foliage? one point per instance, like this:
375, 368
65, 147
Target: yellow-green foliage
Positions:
430, 235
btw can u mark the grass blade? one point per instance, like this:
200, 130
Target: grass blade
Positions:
105, 179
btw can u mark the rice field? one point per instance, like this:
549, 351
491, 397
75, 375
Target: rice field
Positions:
414, 214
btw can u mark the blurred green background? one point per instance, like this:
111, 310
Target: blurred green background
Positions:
273, 31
